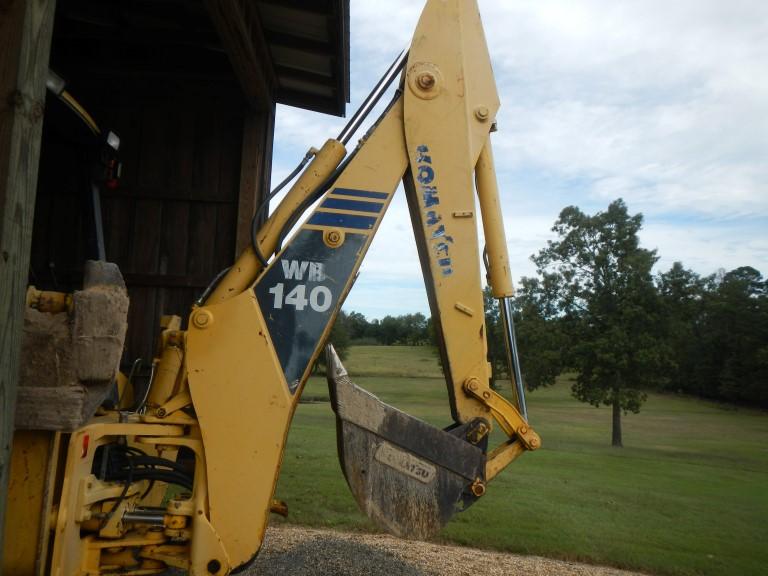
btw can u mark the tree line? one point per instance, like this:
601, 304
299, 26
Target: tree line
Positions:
596, 309
406, 329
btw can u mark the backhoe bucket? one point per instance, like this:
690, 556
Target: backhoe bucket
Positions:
407, 476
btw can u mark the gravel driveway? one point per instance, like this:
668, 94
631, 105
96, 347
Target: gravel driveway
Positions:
297, 551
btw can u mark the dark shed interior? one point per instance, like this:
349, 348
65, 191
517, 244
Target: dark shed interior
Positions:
190, 87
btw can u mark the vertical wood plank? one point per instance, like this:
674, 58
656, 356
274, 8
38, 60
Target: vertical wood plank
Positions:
202, 242
255, 169
181, 146
174, 242
146, 236
153, 165
117, 230
226, 218
206, 168
25, 44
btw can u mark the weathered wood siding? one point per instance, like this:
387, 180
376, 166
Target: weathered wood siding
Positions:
172, 225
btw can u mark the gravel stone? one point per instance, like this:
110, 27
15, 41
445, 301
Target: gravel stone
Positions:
298, 551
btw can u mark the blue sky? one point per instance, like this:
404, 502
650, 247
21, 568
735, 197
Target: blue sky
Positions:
664, 104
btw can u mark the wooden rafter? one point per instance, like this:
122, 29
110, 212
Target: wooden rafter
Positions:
238, 25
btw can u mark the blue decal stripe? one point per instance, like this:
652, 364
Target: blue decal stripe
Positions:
356, 205
361, 193
342, 220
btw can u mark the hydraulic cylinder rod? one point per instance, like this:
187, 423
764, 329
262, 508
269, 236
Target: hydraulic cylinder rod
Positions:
499, 274
513, 359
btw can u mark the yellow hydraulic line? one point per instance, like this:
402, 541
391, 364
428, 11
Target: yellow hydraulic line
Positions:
247, 267
166, 373
70, 101
499, 274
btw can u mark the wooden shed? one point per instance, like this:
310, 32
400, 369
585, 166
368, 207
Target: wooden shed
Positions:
190, 87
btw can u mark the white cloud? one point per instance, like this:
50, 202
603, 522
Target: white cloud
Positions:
664, 104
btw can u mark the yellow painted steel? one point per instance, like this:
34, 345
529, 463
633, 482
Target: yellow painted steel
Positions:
47, 301
166, 376
499, 274
247, 267
29, 493
70, 550
450, 101
241, 398
219, 389
521, 435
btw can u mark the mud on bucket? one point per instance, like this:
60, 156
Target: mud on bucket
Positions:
409, 477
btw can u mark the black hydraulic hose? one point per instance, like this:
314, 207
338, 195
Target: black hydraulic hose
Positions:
156, 461
126, 487
212, 286
326, 185
255, 228
347, 132
373, 97
167, 476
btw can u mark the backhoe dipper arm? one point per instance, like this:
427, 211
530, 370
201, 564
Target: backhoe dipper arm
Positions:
406, 475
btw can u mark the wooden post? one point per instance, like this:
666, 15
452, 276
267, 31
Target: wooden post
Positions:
255, 169
26, 27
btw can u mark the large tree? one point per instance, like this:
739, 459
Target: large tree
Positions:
599, 281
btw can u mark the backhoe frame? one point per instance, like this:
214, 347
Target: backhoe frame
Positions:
226, 388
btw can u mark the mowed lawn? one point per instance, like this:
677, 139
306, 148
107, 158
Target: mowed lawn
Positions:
688, 494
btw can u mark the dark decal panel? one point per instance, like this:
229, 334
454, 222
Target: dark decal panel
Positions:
300, 291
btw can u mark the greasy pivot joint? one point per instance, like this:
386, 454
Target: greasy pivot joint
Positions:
508, 417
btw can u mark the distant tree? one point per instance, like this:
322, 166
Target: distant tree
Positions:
681, 293
497, 351
339, 336
358, 325
732, 344
374, 330
541, 331
600, 282
415, 329
391, 330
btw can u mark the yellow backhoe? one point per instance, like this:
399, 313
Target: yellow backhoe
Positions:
183, 476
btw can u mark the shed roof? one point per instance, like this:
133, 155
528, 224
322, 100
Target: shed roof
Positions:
293, 52
309, 44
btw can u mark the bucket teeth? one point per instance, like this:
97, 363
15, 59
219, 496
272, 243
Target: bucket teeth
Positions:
406, 475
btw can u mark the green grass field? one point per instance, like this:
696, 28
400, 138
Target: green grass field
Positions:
688, 494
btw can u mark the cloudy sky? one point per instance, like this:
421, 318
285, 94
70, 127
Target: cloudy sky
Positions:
664, 104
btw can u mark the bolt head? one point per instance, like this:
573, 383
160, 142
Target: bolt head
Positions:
426, 81
202, 319
333, 238
478, 488
486, 395
482, 113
